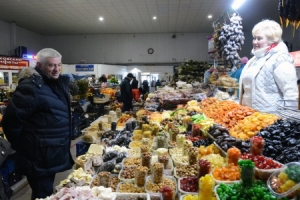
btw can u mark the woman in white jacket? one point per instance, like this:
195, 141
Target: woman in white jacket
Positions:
270, 75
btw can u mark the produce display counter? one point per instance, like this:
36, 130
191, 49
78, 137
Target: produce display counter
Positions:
162, 155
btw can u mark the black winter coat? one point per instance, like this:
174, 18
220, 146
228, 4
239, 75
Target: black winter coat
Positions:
37, 122
126, 92
134, 84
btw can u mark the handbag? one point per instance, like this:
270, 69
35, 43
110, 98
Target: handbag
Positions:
5, 149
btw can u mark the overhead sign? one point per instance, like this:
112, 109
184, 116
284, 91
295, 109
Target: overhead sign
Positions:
12, 63
29, 56
12, 67
296, 56
84, 68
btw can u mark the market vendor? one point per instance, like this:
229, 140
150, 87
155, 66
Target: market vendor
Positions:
270, 75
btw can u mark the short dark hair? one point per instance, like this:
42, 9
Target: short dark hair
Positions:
130, 75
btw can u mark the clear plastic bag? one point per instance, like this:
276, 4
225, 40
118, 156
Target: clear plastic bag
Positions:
121, 156
108, 166
109, 156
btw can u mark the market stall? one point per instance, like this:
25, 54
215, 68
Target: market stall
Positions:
213, 149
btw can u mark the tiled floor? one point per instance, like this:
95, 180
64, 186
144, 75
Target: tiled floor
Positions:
25, 193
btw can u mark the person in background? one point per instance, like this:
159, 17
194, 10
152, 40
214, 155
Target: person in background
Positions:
207, 75
270, 75
37, 123
157, 84
134, 83
135, 91
103, 79
145, 86
126, 93
238, 72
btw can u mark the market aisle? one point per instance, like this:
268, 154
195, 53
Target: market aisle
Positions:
25, 193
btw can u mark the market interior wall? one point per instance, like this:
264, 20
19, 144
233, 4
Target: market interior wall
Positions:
123, 48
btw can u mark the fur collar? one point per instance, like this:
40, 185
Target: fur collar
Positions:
27, 72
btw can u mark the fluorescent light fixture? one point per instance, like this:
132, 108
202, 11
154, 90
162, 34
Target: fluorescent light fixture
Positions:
237, 3
101, 18
209, 16
154, 17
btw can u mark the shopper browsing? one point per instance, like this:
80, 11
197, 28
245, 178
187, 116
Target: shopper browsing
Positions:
270, 75
134, 83
37, 123
126, 93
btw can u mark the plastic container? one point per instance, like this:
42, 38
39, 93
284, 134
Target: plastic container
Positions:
218, 182
264, 174
134, 195
157, 193
175, 152
177, 162
275, 176
170, 166
119, 185
178, 177
182, 191
137, 163
104, 179
126, 180
134, 153
183, 196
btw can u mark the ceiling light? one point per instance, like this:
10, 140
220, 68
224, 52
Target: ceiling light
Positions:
209, 16
154, 17
101, 18
237, 3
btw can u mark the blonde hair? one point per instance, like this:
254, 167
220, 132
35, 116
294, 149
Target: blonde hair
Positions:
270, 28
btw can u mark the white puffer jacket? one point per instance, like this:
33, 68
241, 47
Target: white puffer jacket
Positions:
274, 79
